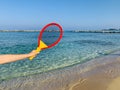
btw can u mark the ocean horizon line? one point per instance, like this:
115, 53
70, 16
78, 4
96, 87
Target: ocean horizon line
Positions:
76, 31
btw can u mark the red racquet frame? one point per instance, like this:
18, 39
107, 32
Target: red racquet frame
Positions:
57, 41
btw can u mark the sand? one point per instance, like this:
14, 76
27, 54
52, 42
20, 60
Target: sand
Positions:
97, 83
102, 73
115, 84
105, 77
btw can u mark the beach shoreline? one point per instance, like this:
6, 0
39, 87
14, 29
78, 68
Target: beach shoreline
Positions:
104, 77
94, 74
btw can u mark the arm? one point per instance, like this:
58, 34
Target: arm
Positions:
12, 58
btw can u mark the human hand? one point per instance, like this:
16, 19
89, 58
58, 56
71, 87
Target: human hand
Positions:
33, 53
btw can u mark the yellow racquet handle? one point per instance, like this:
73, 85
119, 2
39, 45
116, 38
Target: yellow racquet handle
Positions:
42, 45
37, 50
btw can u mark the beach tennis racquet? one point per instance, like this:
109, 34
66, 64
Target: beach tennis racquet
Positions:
49, 36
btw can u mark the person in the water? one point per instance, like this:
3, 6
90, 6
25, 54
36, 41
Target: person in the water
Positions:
15, 57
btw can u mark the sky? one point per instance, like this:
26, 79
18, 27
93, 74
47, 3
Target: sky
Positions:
71, 14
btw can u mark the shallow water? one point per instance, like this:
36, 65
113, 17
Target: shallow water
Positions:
74, 48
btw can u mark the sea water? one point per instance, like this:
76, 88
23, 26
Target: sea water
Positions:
74, 48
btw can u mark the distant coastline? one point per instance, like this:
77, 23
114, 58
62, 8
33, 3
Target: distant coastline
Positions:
19, 30
77, 31
98, 31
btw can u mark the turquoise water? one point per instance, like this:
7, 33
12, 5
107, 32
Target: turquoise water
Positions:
74, 48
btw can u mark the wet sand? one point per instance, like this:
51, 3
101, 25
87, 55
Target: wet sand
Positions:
102, 73
103, 77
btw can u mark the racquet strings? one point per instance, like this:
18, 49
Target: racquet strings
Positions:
50, 35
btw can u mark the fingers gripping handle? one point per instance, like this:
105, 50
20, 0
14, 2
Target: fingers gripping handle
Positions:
42, 45
37, 50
